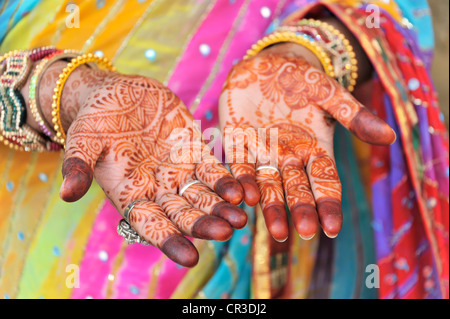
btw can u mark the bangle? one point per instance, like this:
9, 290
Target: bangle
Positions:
15, 68
76, 62
336, 46
35, 81
287, 36
33, 97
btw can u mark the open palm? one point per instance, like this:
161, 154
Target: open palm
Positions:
286, 95
138, 140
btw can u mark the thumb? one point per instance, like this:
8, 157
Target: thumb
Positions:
81, 155
348, 111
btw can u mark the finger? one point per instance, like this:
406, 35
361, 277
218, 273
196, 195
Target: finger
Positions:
358, 119
152, 224
202, 198
300, 201
327, 191
147, 218
272, 203
81, 154
245, 174
242, 162
191, 150
214, 175
193, 222
176, 177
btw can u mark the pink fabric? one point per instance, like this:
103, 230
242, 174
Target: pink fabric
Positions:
249, 32
134, 277
103, 239
170, 276
194, 67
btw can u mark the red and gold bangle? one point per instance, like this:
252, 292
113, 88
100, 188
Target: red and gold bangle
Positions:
289, 36
34, 89
67, 71
331, 47
334, 43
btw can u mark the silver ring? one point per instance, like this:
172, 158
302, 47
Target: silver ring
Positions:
185, 187
130, 206
129, 234
273, 168
124, 228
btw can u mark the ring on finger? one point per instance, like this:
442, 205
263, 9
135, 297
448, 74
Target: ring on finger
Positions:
273, 168
124, 228
186, 186
129, 208
129, 234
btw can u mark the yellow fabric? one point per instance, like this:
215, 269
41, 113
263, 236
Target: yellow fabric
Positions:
303, 257
155, 33
21, 35
58, 34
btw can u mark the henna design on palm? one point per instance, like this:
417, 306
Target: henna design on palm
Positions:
284, 92
139, 141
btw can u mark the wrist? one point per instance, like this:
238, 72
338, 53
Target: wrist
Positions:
78, 87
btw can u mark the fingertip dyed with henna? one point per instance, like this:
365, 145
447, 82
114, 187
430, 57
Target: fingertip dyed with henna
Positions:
180, 250
212, 228
277, 222
230, 190
234, 215
306, 220
330, 214
371, 129
78, 177
307, 238
252, 194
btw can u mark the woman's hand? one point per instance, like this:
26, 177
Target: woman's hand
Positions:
139, 141
301, 104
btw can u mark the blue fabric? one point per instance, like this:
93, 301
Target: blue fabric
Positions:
14, 11
354, 247
233, 275
418, 14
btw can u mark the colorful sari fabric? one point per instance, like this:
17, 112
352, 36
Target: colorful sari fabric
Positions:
395, 198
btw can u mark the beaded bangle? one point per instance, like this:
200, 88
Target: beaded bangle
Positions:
15, 68
76, 62
279, 37
24, 138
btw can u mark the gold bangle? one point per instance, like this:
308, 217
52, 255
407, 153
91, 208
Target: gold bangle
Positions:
279, 37
67, 71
